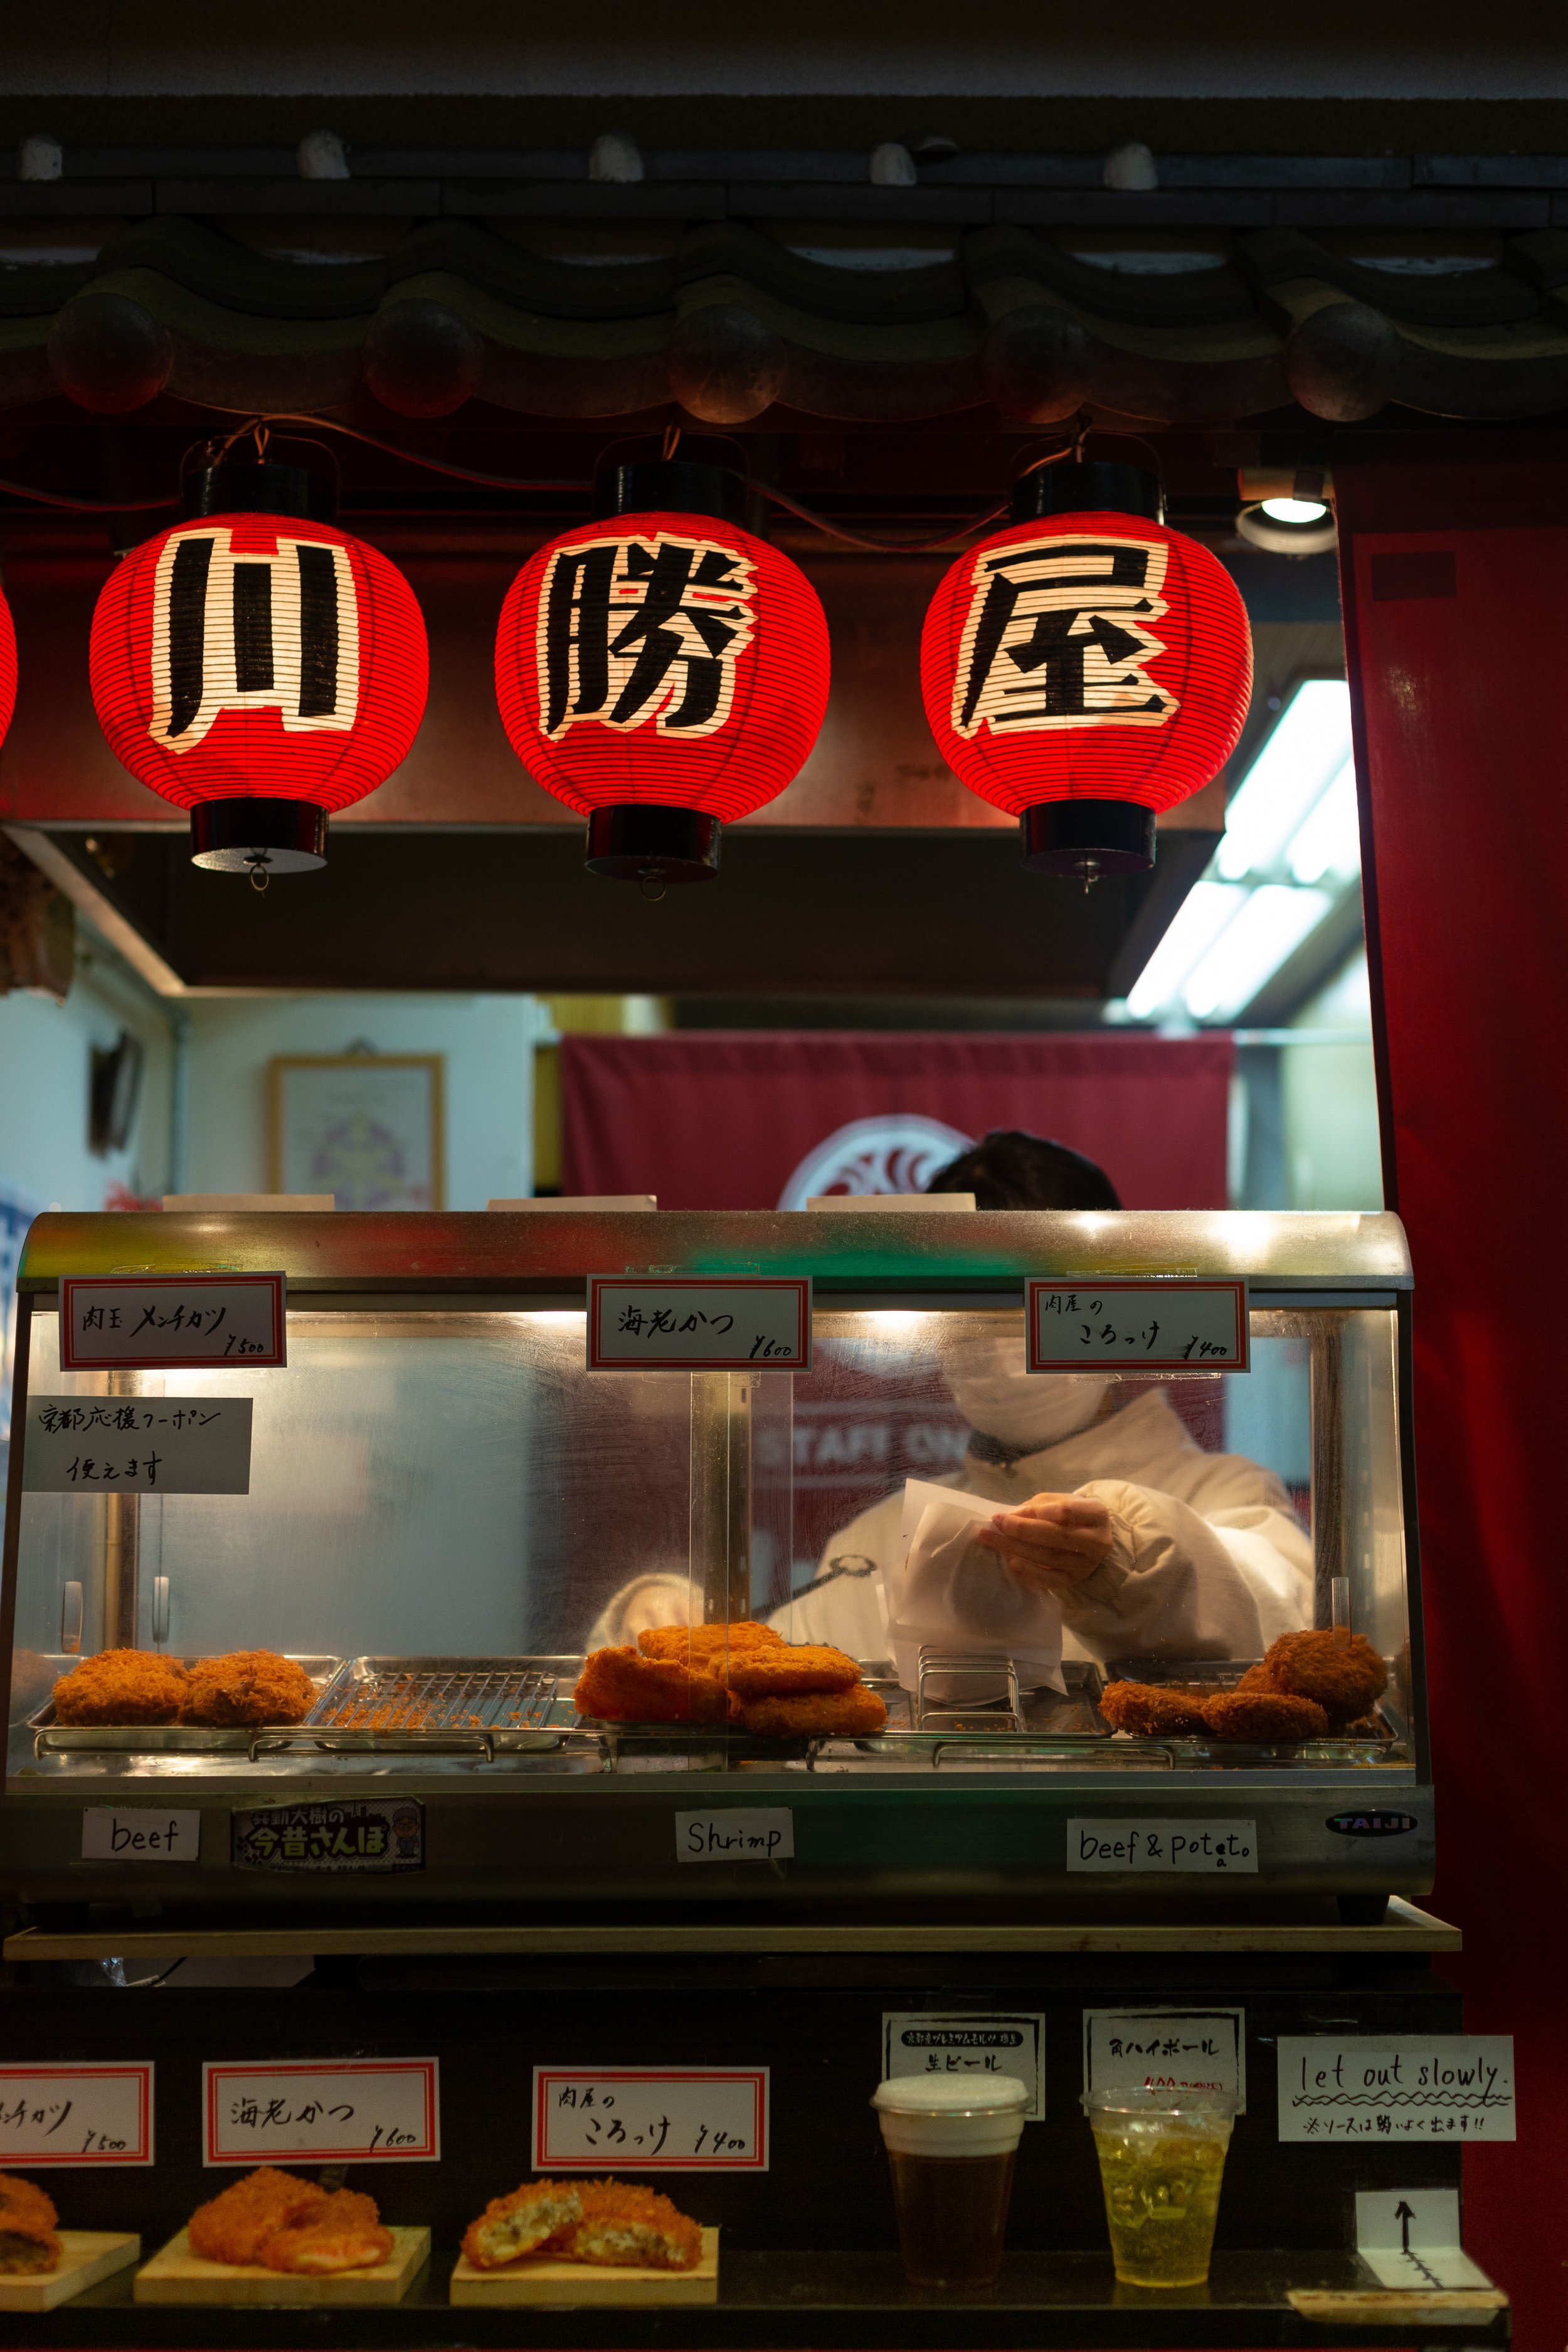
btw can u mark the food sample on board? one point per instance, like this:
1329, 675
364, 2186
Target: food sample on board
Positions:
604, 2222
247, 1686
621, 1685
815, 1715
28, 2219
122, 1687
1341, 1671
283, 2223
1152, 1711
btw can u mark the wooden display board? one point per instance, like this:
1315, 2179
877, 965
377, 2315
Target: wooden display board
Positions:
87, 2256
176, 2275
587, 2282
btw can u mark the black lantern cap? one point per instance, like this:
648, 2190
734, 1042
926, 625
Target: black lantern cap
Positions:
680, 485
1109, 485
1087, 838
642, 840
258, 838
248, 485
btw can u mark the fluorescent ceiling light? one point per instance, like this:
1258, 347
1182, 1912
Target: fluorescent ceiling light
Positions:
1329, 840
1265, 931
1308, 746
1202, 915
1295, 510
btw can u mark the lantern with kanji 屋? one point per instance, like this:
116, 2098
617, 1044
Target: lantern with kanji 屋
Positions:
661, 670
258, 667
1087, 668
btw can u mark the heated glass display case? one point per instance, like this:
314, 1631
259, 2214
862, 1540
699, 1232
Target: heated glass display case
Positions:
912, 1625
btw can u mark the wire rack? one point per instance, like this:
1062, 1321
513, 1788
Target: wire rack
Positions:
437, 1696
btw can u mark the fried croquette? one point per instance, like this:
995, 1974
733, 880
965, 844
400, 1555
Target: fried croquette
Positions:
1342, 1672
1151, 1712
623, 1686
1264, 1715
816, 1715
28, 2218
780, 1674
122, 1687
535, 2220
633, 2228
234, 2226
344, 2232
249, 1686
708, 1644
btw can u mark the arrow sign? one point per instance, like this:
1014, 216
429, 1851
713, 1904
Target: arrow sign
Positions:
1404, 2215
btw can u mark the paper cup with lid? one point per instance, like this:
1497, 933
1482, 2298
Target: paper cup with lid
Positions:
951, 2140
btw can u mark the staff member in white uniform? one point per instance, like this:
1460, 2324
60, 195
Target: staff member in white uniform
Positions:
1153, 1546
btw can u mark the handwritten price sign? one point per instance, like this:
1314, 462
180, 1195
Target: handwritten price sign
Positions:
171, 1322
76, 2114
1140, 1327
650, 2119
385, 2110
699, 1323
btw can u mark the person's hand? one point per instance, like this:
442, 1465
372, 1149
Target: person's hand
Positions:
1053, 1541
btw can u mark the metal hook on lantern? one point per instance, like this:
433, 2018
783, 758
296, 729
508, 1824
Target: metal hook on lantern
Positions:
260, 872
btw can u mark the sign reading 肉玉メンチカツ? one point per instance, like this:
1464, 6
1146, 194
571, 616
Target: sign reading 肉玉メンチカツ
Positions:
694, 1323
964, 2042
1361, 2086
1157, 1325
76, 2114
139, 1445
380, 1834
167, 1322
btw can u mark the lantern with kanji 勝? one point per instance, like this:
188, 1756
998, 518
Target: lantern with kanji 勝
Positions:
1087, 668
258, 667
661, 670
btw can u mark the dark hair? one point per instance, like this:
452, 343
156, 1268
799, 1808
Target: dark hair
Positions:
1010, 1170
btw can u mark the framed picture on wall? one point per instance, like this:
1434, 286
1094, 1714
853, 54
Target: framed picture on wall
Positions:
367, 1128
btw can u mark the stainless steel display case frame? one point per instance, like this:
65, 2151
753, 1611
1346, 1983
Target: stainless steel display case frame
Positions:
543, 1825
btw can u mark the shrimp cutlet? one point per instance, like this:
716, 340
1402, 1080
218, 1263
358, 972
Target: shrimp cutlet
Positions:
781, 1674
623, 1686
122, 1687
1148, 1711
27, 2217
234, 2226
249, 1686
344, 2232
1342, 1672
816, 1715
633, 2228
535, 2220
708, 1644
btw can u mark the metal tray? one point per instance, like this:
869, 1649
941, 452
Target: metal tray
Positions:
52, 1738
402, 1704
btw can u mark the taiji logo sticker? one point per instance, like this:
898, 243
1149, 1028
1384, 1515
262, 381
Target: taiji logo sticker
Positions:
1372, 1823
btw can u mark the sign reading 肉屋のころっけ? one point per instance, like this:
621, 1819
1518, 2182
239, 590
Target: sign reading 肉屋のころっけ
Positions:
172, 1322
322, 2111
1157, 1325
1455, 2086
356, 1835
650, 2118
76, 2114
691, 1323
141, 1445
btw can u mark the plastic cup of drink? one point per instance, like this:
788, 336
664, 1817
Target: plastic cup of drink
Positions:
1162, 2159
951, 2141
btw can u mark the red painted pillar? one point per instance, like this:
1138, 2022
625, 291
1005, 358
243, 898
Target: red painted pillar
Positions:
1457, 630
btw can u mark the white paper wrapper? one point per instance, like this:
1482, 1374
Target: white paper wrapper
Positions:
955, 1594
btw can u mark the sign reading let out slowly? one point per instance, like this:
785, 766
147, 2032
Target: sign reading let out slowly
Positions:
697, 1323
1154, 1325
171, 1322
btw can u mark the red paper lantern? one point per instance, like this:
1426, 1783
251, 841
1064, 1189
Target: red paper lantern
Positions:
1086, 667
8, 667
258, 668
662, 671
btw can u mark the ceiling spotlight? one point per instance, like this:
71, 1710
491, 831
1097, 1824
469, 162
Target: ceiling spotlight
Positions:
1286, 510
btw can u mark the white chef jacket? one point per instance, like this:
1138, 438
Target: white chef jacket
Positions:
1208, 1560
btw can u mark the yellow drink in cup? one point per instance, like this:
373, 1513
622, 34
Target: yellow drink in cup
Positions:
1162, 2159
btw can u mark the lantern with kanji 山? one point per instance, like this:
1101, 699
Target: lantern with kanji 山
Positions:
661, 670
258, 667
1087, 668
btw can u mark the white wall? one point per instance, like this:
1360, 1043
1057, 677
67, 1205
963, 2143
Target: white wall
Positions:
44, 1078
486, 1041
1329, 1102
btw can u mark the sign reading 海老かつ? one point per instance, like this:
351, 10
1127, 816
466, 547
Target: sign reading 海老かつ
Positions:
692, 1323
383, 1833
